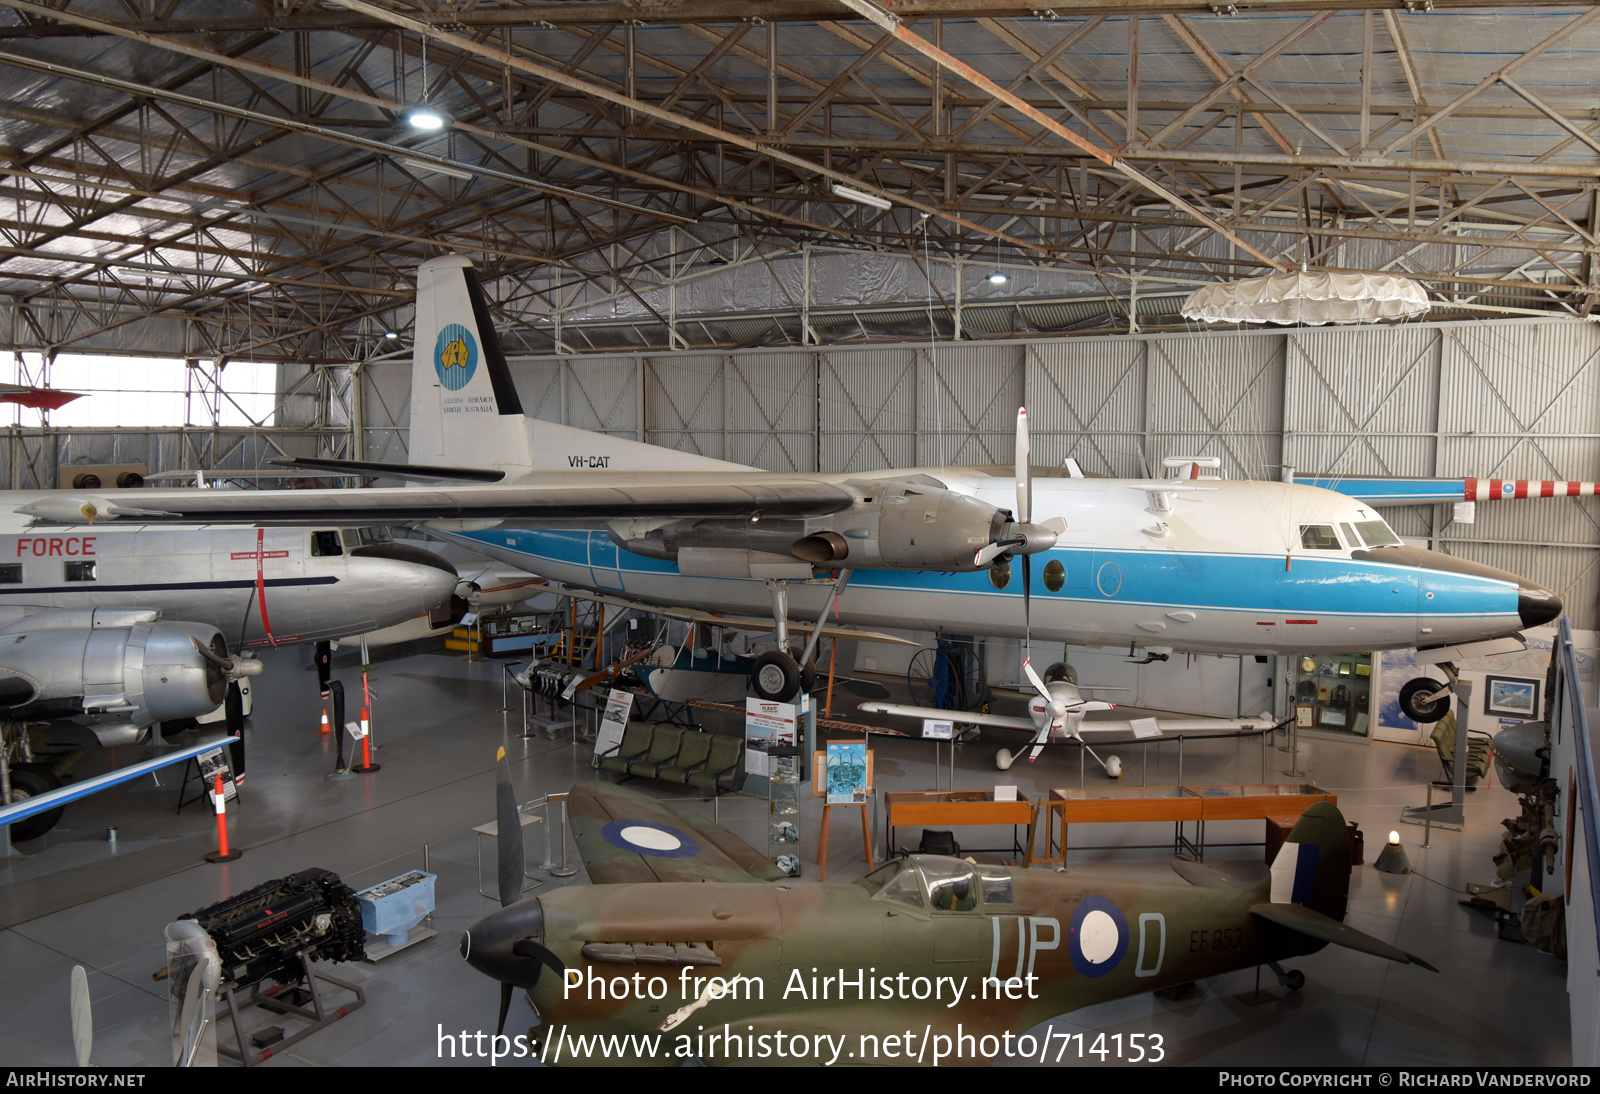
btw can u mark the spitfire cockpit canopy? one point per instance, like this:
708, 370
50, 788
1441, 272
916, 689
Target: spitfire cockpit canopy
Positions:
943, 884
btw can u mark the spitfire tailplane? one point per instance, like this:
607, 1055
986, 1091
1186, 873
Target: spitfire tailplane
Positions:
1311, 886
465, 412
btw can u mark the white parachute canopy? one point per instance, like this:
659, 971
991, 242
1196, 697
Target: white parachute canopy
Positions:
1309, 298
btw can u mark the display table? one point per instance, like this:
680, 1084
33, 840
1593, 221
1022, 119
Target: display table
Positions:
961, 809
1178, 805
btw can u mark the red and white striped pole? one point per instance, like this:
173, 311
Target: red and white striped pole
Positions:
220, 800
1501, 489
366, 766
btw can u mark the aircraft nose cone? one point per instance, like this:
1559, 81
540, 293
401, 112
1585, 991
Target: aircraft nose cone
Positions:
1536, 604
466, 945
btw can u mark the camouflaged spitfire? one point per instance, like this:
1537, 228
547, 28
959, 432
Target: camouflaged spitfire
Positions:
688, 946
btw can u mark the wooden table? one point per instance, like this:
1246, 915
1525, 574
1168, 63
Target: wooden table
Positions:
1178, 805
961, 809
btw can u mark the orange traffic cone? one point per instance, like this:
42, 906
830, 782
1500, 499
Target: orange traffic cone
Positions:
326, 728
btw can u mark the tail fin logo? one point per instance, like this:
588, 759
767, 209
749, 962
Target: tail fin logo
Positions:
455, 356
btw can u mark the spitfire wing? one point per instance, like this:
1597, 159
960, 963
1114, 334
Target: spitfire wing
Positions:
625, 836
972, 717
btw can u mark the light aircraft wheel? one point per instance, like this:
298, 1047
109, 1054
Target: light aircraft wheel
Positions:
1004, 759
1061, 671
1114, 766
29, 781
1417, 710
775, 676
1294, 980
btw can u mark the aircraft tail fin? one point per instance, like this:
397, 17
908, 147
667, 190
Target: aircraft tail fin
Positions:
1313, 866
465, 411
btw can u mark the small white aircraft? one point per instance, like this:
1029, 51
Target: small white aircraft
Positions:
1154, 565
1056, 714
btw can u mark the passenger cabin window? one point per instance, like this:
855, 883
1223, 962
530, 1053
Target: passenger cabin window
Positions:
78, 571
1377, 534
325, 545
11, 573
1318, 537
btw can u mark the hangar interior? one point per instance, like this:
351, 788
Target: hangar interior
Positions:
811, 238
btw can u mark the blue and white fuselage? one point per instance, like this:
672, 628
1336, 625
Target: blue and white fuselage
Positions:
1227, 570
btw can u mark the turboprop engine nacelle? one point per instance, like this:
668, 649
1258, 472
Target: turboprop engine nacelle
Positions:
897, 525
126, 668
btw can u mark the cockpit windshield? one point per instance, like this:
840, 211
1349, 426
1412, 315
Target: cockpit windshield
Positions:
1377, 534
945, 884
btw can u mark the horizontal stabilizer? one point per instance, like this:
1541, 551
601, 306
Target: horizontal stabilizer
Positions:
1297, 917
415, 471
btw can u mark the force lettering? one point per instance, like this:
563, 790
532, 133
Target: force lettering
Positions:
55, 546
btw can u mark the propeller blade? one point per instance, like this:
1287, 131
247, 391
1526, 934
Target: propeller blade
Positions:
509, 841
527, 947
1037, 683
505, 1008
1058, 525
988, 554
1024, 470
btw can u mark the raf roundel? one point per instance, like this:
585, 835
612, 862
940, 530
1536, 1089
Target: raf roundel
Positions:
1097, 938
648, 838
455, 356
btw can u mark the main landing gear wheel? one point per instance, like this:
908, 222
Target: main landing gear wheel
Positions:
29, 781
1417, 710
775, 676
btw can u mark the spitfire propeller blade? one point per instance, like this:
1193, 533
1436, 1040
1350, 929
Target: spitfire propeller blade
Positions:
509, 840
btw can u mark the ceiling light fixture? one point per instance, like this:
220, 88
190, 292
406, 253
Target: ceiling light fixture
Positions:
998, 278
426, 118
850, 193
437, 168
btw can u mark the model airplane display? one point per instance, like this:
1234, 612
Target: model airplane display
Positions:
685, 947
1155, 565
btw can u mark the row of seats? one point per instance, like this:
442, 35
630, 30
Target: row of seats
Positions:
690, 757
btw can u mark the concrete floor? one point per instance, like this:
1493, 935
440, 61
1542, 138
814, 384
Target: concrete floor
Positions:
76, 899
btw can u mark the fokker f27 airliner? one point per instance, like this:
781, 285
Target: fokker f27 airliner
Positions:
1157, 565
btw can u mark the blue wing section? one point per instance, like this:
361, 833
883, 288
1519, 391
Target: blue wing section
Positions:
10, 814
1375, 491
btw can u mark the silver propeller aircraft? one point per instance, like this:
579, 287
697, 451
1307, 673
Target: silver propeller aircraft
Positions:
122, 627
1158, 565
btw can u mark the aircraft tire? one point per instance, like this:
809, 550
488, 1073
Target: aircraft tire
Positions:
1418, 711
808, 671
775, 677
1294, 980
1004, 759
29, 781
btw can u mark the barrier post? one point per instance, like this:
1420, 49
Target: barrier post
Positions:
220, 799
366, 766
336, 691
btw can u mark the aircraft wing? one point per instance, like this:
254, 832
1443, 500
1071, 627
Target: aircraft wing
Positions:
1307, 921
625, 836
971, 717
1392, 491
1177, 727
43, 803
591, 497
738, 623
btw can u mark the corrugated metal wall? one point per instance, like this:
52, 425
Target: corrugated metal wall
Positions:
1493, 399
